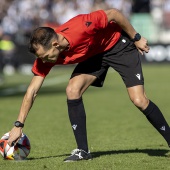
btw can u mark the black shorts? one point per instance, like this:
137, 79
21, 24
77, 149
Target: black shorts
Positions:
123, 57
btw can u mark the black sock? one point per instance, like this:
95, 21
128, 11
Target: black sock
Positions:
77, 117
157, 119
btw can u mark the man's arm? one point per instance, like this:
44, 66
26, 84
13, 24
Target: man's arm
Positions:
116, 16
27, 103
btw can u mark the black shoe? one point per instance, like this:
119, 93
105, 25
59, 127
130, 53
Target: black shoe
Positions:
77, 155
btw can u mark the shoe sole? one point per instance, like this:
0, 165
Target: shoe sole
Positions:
78, 160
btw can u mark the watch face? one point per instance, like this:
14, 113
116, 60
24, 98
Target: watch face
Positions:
137, 37
17, 123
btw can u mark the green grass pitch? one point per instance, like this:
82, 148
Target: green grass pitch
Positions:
120, 137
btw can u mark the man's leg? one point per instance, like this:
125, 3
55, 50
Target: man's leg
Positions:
76, 87
150, 110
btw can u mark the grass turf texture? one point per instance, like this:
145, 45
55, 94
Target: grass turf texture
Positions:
119, 136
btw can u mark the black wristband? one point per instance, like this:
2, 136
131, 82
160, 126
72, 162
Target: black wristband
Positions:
18, 124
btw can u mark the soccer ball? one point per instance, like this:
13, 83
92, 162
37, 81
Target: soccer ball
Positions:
18, 152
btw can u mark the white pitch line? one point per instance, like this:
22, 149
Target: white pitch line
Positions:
56, 80
23, 88
13, 90
47, 82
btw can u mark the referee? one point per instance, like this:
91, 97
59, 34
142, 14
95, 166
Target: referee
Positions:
96, 41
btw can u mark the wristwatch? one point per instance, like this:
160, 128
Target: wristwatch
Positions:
18, 124
137, 37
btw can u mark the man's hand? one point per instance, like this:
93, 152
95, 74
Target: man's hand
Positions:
142, 45
14, 135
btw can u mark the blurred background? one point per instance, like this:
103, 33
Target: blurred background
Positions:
19, 17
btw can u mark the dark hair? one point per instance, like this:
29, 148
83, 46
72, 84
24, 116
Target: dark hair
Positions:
42, 36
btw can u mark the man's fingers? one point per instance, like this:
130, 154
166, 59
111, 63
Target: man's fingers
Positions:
14, 135
144, 49
147, 48
142, 46
140, 51
12, 142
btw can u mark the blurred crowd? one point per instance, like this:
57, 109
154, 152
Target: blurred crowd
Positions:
19, 17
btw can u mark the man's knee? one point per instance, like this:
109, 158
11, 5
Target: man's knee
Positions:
140, 101
73, 91
78, 85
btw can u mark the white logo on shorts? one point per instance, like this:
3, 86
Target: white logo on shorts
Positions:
138, 76
123, 40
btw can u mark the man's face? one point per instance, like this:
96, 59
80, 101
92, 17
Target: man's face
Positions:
49, 55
